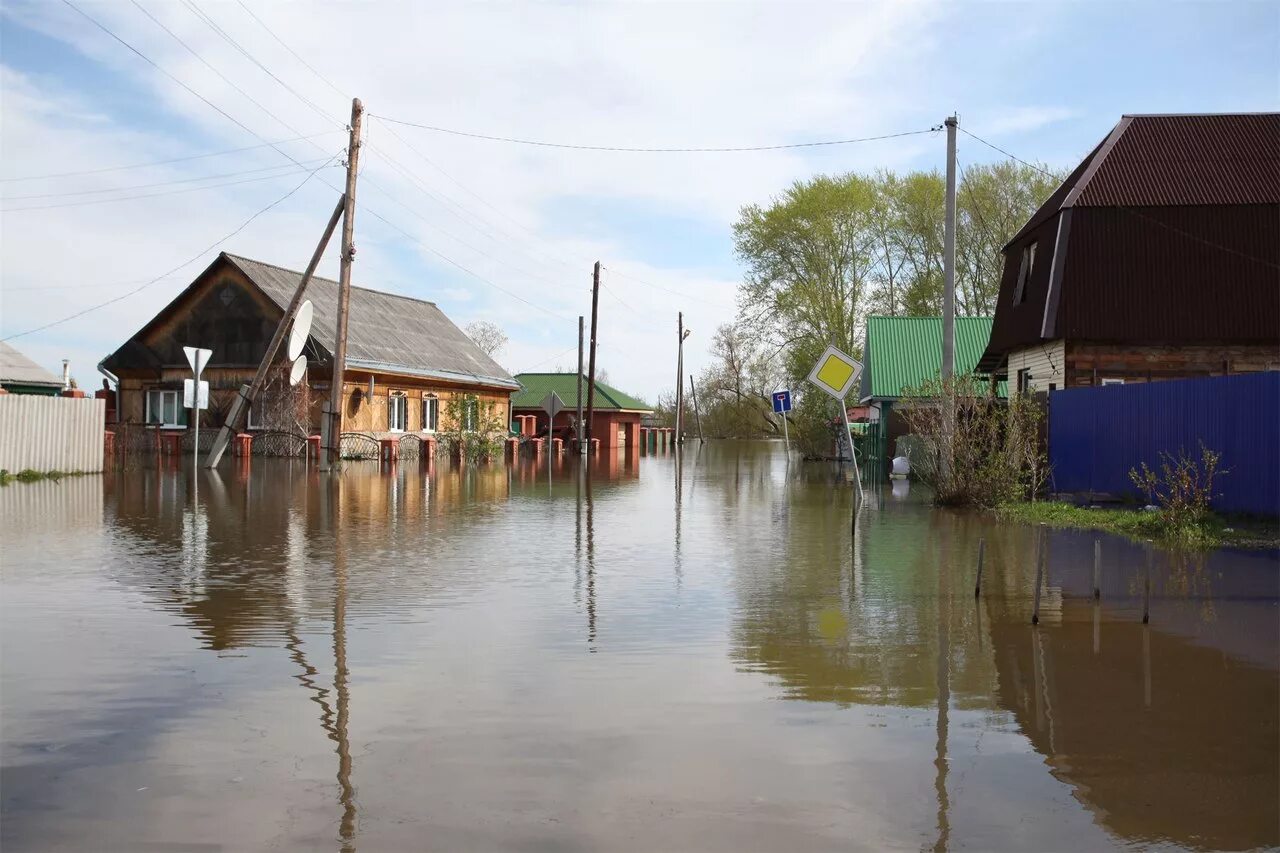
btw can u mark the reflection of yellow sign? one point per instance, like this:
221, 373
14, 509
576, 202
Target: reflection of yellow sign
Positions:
835, 373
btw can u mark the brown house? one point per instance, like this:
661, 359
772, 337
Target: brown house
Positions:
1157, 258
409, 369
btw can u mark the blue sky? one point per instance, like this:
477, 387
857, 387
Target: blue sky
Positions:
1043, 80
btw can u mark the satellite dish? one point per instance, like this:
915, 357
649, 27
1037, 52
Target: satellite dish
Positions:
298, 371
301, 328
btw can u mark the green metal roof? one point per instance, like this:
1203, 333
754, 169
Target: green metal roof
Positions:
904, 352
538, 385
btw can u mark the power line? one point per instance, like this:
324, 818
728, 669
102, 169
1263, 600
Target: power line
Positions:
165, 162
553, 358
281, 42
466, 270
180, 266
1039, 169
159, 183
653, 150
154, 195
204, 16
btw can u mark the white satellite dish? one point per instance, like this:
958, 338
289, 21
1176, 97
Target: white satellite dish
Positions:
301, 328
298, 371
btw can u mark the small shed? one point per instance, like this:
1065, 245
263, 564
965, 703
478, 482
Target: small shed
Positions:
21, 375
617, 415
902, 353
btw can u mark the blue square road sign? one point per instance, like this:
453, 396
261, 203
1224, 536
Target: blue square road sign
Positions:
781, 402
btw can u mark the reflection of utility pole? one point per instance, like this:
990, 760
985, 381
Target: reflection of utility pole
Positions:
944, 706
591, 569
347, 827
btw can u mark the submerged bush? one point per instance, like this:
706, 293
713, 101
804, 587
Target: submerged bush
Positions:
1182, 488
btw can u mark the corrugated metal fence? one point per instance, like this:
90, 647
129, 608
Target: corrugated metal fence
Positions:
1096, 435
51, 433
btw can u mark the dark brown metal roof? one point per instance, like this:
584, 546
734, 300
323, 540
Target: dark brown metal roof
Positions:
1190, 160
1167, 233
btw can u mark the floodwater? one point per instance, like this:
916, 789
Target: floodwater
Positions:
693, 656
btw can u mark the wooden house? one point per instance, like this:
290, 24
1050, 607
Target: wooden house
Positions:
1157, 258
408, 370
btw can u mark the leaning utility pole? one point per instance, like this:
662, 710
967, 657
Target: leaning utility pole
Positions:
330, 455
582, 447
248, 393
949, 260
679, 424
591, 379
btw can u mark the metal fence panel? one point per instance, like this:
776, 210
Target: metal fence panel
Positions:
51, 433
1096, 435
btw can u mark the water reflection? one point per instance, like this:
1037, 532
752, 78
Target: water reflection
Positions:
435, 621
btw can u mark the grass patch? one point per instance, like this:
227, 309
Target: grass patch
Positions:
29, 475
1213, 532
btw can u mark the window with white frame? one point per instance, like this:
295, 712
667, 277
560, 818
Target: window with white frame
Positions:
397, 411
430, 413
254, 419
1112, 381
164, 408
470, 414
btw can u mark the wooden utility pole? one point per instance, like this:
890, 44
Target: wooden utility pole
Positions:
582, 447
248, 393
679, 424
591, 380
693, 392
331, 454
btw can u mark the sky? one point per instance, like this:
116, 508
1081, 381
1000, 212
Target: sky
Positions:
508, 232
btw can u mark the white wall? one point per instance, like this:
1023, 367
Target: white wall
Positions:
51, 433
1047, 364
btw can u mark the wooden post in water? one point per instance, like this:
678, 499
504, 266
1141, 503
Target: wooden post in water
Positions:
1040, 547
1146, 587
1097, 569
977, 583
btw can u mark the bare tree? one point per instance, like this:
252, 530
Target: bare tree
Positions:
487, 336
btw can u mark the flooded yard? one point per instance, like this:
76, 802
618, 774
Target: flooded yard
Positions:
662, 655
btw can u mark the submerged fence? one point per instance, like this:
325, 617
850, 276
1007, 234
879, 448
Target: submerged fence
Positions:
51, 433
1096, 435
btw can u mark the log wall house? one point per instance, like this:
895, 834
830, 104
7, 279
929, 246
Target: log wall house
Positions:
409, 369
1157, 258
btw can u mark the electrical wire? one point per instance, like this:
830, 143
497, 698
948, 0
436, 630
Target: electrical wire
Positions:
153, 195
164, 162
180, 266
530, 368
650, 150
281, 42
160, 183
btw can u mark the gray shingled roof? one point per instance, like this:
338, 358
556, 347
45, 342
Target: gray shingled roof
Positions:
17, 369
385, 331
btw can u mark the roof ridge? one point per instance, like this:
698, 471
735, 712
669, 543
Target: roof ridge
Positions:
234, 257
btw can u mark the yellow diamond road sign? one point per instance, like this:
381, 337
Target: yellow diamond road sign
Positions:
836, 373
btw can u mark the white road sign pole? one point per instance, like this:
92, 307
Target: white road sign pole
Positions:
786, 435
197, 358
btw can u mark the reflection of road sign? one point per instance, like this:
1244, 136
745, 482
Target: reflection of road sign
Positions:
301, 328
298, 370
781, 402
197, 358
552, 404
189, 400
835, 373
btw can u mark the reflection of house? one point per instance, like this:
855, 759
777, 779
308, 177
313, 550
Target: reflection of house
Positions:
617, 415
409, 369
1157, 258
21, 375
903, 353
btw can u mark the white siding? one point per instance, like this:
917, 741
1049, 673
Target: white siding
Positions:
1047, 364
51, 433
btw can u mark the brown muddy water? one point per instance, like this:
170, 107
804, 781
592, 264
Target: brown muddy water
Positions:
687, 657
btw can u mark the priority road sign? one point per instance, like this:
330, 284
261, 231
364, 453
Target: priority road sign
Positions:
781, 402
836, 373
552, 404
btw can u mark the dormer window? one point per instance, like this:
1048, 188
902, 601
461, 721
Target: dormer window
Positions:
1024, 273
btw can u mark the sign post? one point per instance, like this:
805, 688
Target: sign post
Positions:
782, 405
837, 373
195, 394
552, 405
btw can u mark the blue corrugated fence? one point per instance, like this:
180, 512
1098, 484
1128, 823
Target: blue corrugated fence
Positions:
1096, 435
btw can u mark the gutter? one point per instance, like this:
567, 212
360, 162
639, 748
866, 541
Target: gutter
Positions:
106, 373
